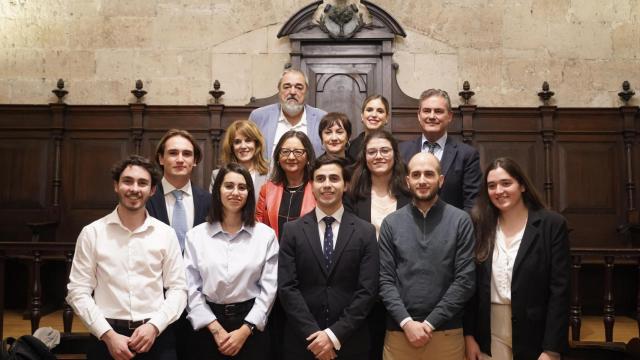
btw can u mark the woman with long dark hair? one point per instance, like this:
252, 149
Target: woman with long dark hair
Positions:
231, 269
522, 254
378, 188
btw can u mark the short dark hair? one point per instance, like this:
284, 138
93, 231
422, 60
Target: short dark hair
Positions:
136, 160
333, 118
277, 175
197, 152
435, 92
216, 211
328, 159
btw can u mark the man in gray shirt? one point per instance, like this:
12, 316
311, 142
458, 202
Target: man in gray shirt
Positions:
426, 270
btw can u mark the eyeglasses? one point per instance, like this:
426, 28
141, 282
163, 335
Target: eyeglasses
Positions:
384, 151
284, 153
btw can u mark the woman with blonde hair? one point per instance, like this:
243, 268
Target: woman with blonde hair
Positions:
243, 144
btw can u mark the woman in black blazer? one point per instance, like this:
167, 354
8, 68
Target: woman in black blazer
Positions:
378, 188
520, 309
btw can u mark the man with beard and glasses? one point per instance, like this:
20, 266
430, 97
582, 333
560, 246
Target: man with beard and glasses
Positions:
427, 272
291, 113
127, 280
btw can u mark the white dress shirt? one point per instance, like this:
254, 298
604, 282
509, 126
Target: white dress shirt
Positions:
225, 268
127, 272
335, 227
502, 266
284, 125
439, 150
187, 201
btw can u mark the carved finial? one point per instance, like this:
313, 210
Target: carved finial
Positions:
138, 92
626, 94
545, 94
287, 66
60, 92
216, 92
466, 92
395, 66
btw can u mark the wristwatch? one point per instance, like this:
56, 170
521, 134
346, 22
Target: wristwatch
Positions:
250, 325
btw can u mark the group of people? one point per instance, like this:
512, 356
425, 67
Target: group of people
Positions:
372, 250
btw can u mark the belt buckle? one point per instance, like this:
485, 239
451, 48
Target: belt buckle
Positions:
230, 309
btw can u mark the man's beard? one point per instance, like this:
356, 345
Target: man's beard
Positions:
291, 108
429, 197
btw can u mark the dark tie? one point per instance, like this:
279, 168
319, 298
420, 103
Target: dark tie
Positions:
328, 241
431, 146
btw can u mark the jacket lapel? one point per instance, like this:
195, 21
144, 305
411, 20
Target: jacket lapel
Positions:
448, 155
528, 238
157, 202
345, 234
311, 232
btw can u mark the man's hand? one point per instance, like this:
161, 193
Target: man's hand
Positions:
143, 338
417, 333
235, 340
321, 346
472, 350
118, 345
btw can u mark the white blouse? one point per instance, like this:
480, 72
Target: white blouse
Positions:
502, 267
381, 206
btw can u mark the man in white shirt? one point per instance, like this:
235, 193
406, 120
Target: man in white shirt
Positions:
132, 264
328, 274
180, 204
291, 113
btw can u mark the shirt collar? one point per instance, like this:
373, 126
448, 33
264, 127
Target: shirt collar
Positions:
303, 119
417, 210
168, 188
336, 215
114, 218
442, 141
215, 228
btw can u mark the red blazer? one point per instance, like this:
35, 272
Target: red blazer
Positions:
269, 203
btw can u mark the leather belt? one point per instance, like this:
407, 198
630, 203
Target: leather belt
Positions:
127, 324
232, 309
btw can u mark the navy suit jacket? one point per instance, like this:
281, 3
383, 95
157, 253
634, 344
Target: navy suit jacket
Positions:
340, 298
266, 118
201, 203
540, 291
460, 166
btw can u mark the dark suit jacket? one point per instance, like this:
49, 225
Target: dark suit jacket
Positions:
460, 166
540, 291
201, 203
362, 207
355, 147
340, 299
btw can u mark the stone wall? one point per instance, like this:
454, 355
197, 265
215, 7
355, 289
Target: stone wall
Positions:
506, 49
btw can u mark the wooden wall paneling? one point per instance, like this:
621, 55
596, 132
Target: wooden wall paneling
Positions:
548, 136
97, 117
589, 174
629, 134
216, 131
191, 118
17, 117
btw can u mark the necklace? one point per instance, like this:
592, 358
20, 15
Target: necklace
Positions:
292, 190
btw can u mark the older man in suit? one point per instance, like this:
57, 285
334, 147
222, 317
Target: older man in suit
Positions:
460, 162
327, 274
291, 113
179, 203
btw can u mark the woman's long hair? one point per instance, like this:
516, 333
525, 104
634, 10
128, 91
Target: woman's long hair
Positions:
249, 130
485, 215
361, 179
216, 211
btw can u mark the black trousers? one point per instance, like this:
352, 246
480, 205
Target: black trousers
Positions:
256, 347
164, 347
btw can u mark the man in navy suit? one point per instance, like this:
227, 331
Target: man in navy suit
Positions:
291, 113
460, 162
327, 274
179, 204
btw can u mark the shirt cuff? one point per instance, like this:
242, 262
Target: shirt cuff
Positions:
200, 316
334, 339
429, 325
405, 321
100, 327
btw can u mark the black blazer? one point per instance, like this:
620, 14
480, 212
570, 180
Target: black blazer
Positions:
540, 291
355, 147
460, 166
314, 299
201, 203
362, 207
